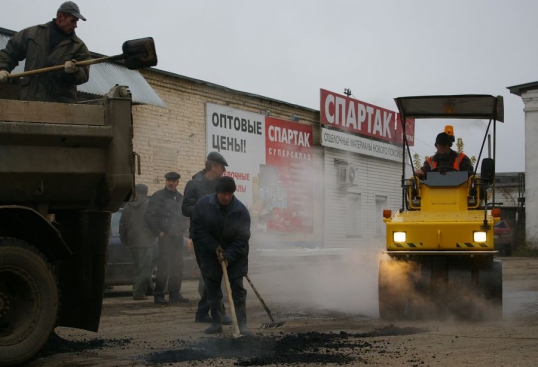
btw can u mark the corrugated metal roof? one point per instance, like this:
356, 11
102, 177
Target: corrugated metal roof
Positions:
106, 75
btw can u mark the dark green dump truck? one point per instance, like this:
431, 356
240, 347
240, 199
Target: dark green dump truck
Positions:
63, 169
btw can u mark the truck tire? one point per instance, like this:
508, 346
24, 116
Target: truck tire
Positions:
29, 301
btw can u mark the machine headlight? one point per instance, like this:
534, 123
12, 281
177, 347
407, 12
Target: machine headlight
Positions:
399, 236
479, 236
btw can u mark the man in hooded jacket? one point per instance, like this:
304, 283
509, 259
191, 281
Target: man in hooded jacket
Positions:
136, 234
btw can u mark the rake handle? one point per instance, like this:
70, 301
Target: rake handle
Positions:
260, 298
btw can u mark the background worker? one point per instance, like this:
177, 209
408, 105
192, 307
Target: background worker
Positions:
50, 44
221, 227
445, 159
164, 217
136, 234
202, 184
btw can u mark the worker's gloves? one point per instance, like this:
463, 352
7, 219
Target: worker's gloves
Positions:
220, 254
3, 76
70, 67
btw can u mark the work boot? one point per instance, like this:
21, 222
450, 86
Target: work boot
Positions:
226, 320
241, 313
214, 328
178, 298
159, 300
204, 318
216, 325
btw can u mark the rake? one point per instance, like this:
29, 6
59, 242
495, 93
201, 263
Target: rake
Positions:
267, 325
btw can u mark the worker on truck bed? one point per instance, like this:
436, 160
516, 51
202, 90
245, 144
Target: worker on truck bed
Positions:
50, 44
445, 159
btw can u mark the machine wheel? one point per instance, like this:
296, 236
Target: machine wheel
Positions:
392, 300
490, 283
28, 301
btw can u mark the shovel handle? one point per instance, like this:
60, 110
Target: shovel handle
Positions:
236, 333
61, 67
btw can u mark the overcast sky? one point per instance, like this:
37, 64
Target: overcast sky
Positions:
288, 50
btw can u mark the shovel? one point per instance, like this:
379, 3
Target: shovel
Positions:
137, 54
235, 326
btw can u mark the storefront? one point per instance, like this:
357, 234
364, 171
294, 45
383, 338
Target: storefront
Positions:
362, 165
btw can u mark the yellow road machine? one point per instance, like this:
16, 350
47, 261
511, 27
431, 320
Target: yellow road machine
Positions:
439, 259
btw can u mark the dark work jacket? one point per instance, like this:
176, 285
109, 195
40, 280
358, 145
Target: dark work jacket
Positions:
164, 214
231, 229
195, 189
134, 229
32, 44
458, 161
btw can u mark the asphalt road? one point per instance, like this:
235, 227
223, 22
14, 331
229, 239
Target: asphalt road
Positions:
328, 303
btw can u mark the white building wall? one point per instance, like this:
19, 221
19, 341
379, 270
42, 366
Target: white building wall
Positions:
375, 179
530, 99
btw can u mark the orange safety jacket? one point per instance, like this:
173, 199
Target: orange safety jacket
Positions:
455, 164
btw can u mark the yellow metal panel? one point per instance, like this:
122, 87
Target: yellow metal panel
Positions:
427, 234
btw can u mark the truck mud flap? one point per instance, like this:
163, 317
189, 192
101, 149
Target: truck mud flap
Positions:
81, 277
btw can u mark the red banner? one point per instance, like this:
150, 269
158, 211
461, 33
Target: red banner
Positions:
286, 181
351, 115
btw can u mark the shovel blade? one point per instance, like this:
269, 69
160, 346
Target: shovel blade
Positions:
139, 53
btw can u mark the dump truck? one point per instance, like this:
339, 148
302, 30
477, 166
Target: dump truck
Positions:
63, 169
440, 259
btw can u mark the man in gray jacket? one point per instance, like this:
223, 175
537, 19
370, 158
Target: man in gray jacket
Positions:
136, 234
51, 44
203, 183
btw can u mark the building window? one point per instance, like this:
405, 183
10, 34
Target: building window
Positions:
381, 203
354, 214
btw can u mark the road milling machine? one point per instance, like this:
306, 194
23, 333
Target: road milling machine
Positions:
440, 259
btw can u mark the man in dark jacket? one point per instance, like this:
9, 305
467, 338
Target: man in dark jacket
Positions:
50, 44
202, 184
445, 159
136, 234
221, 226
164, 217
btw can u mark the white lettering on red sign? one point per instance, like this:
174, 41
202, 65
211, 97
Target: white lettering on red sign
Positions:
355, 115
289, 136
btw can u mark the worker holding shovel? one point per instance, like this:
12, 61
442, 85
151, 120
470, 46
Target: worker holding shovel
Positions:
45, 45
221, 226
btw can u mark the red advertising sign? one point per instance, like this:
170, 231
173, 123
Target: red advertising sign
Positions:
351, 115
286, 180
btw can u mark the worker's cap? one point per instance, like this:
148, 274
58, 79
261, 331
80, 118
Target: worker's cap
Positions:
141, 189
225, 184
443, 139
172, 176
217, 157
70, 7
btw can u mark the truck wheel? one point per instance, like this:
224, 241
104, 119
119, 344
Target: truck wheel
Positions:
28, 301
152, 278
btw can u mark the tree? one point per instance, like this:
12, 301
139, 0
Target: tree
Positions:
460, 145
417, 162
